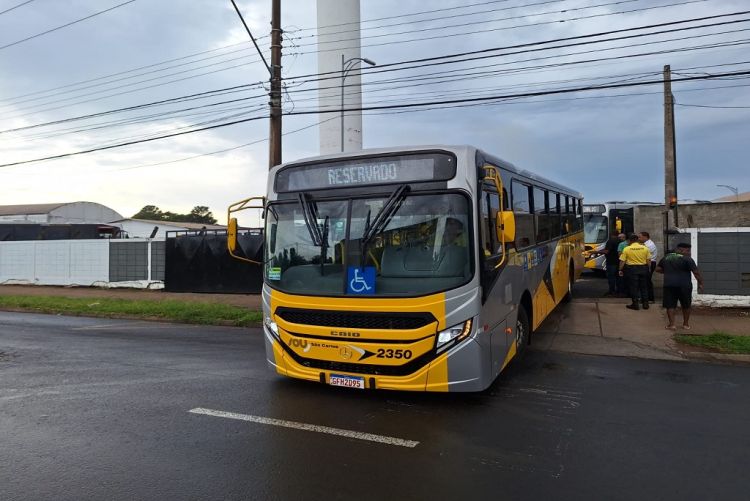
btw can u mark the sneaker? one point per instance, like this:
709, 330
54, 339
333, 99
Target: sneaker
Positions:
632, 306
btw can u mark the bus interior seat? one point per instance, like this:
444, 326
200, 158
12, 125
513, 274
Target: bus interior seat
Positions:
420, 262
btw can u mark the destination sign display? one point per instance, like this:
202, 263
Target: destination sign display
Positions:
365, 172
594, 209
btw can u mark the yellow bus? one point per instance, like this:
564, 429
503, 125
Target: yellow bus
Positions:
417, 268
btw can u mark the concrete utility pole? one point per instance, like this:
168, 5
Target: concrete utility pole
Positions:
274, 142
670, 158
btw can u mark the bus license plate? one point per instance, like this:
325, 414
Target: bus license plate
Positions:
347, 381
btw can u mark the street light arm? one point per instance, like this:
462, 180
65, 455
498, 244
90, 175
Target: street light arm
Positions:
730, 188
346, 67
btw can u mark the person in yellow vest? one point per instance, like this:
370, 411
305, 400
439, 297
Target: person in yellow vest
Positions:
634, 262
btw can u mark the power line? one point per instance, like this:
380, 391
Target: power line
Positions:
225, 150
15, 7
251, 36
380, 67
16, 98
459, 74
473, 23
400, 16
463, 71
188, 97
442, 18
19, 100
474, 32
714, 107
65, 25
389, 107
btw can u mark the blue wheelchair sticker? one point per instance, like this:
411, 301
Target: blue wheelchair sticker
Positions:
360, 281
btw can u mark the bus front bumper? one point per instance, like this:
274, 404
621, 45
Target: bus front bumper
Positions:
434, 376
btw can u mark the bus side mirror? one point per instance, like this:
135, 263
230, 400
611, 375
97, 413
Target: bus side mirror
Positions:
505, 225
232, 235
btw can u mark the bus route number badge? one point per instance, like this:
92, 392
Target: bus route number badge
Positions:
360, 281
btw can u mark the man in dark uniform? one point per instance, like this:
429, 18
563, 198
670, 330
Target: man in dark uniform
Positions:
678, 286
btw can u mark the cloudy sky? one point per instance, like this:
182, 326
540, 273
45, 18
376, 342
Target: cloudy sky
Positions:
607, 143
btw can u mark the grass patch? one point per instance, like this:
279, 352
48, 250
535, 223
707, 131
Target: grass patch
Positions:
174, 311
718, 341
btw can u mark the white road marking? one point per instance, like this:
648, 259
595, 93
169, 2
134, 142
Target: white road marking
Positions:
382, 439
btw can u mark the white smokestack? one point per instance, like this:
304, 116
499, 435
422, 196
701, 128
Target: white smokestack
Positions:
335, 16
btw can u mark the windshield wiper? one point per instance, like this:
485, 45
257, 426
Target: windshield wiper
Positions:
382, 218
318, 233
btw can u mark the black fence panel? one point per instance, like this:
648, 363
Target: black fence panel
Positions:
13, 232
198, 261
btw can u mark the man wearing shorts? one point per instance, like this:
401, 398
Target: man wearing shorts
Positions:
678, 286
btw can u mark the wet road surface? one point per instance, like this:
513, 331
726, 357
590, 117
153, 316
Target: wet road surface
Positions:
93, 409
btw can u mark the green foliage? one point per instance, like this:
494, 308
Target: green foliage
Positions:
199, 214
718, 341
176, 311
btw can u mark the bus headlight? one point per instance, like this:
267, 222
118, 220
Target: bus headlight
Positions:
272, 327
453, 335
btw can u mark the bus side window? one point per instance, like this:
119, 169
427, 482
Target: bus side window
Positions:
522, 211
554, 214
540, 213
565, 211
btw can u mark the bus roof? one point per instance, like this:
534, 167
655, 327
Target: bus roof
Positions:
466, 150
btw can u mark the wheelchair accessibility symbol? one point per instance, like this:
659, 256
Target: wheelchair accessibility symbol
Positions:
361, 281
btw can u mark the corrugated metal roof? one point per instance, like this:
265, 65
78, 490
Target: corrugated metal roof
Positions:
189, 226
13, 210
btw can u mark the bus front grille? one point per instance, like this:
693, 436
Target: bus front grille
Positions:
356, 319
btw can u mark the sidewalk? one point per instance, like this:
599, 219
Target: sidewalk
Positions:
606, 327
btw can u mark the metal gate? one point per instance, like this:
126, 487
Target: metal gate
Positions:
198, 261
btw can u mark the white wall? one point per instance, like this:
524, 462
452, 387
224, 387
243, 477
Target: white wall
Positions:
62, 262
713, 300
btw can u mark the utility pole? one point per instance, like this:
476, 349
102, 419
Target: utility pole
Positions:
670, 157
274, 142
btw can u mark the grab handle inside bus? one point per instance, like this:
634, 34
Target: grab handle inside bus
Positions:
505, 223
233, 227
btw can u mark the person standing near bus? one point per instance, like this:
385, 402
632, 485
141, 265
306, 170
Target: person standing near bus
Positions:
612, 259
678, 286
634, 261
645, 239
622, 287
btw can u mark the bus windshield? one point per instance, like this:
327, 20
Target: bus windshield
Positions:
595, 229
422, 247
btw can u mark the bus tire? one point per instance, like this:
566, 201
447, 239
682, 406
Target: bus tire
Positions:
571, 278
523, 331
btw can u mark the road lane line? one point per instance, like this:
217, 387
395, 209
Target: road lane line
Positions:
382, 439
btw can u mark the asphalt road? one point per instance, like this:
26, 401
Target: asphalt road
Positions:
99, 409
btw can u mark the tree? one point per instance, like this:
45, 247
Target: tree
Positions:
151, 212
199, 214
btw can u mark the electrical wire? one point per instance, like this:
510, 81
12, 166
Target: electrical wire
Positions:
15, 7
397, 106
65, 25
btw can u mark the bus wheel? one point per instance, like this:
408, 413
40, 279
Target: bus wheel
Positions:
569, 293
522, 331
